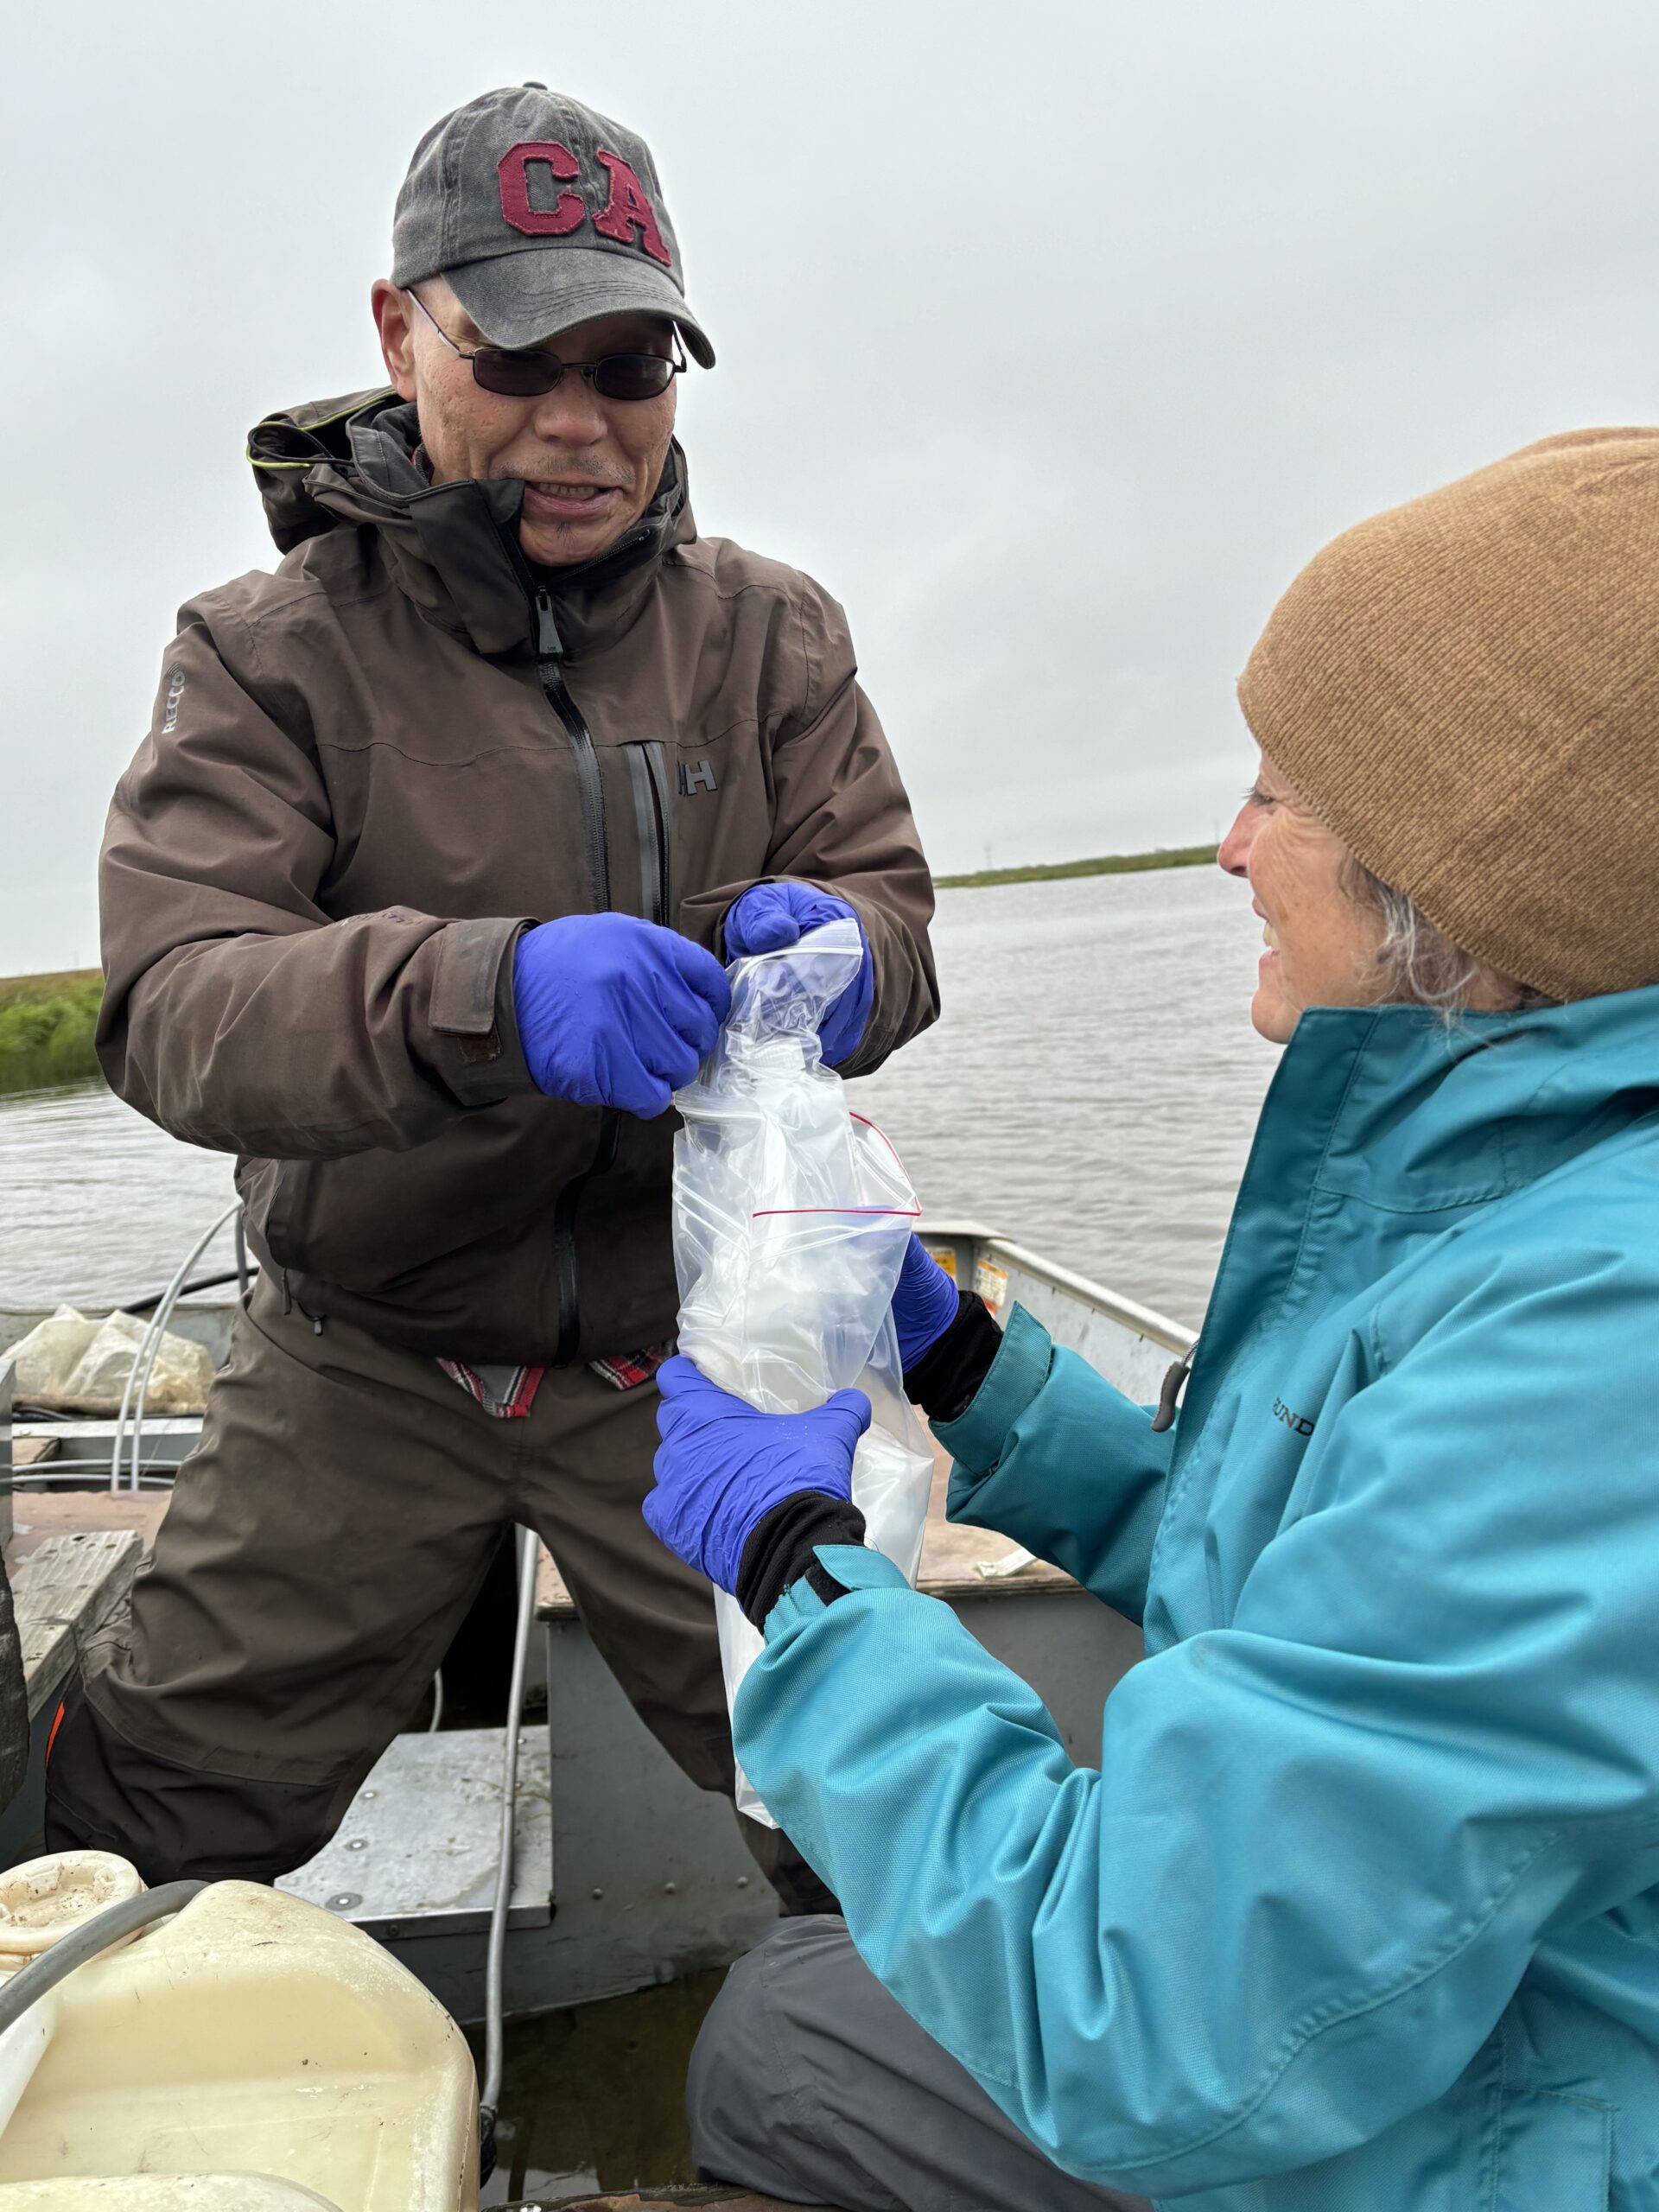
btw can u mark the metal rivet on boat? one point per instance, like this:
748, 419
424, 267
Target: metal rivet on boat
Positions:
345, 1901
598, 1894
742, 1881
368, 1793
670, 1889
358, 1843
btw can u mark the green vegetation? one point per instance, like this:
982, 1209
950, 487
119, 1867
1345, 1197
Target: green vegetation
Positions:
46, 1028
1108, 864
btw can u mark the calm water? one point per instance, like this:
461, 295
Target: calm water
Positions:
1090, 1091
1091, 1087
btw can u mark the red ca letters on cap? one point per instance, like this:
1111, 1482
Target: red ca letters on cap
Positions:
513, 169
627, 210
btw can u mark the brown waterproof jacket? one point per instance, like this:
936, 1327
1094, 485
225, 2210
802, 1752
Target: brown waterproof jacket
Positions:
366, 774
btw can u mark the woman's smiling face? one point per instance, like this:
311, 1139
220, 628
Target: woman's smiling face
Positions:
1322, 944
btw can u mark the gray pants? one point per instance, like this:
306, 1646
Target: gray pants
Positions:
810, 2082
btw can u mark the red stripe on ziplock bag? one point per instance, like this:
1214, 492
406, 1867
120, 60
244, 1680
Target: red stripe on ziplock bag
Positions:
898, 1213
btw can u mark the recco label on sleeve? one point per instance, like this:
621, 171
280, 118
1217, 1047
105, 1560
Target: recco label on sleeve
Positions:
175, 693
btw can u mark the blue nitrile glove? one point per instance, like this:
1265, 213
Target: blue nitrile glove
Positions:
925, 1304
771, 915
613, 1011
721, 1466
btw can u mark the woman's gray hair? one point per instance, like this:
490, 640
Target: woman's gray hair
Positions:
1419, 965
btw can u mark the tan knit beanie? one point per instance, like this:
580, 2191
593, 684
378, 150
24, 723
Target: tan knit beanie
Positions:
1466, 690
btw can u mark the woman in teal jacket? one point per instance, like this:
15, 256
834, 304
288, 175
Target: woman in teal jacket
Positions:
1361, 1911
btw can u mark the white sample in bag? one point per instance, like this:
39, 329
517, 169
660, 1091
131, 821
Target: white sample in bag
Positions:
791, 1215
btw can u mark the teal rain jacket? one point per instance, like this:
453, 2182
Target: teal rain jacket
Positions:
1361, 1913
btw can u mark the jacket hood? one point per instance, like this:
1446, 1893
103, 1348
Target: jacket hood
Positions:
453, 548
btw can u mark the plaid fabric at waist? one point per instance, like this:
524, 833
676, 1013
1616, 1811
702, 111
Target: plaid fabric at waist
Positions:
507, 1393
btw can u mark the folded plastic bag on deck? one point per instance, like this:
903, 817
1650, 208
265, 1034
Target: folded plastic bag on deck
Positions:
791, 1214
72, 1362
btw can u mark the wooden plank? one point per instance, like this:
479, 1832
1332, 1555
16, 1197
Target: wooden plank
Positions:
42, 1513
553, 1600
951, 1559
64, 1590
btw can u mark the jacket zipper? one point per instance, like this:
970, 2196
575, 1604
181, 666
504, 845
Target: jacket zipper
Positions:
550, 667
648, 780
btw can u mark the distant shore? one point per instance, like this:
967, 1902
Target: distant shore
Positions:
47, 1021
46, 1028
1108, 864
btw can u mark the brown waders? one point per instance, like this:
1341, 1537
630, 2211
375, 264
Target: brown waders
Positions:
320, 1547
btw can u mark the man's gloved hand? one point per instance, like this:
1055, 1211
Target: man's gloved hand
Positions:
613, 1011
721, 1466
925, 1304
770, 916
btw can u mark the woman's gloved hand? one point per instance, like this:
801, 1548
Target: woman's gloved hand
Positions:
925, 1304
613, 1011
721, 1466
770, 916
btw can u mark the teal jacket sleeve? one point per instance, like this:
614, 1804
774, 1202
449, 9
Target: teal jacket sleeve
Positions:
1325, 1840
1050, 1454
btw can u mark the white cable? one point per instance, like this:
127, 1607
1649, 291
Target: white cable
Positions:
434, 1723
76, 1471
157, 1335
149, 1347
494, 2001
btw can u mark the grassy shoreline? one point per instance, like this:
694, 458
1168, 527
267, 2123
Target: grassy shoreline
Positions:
1106, 864
46, 1028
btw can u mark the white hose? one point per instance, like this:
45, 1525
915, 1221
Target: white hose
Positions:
493, 1999
156, 1334
149, 1346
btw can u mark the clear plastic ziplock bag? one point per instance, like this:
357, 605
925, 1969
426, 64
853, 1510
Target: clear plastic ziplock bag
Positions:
791, 1214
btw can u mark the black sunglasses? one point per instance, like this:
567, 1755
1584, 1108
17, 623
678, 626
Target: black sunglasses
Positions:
526, 374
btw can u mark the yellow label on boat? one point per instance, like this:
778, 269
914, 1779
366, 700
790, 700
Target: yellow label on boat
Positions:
991, 1283
945, 1254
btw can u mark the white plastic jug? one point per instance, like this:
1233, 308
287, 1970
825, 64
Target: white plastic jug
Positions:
44, 1899
250, 2050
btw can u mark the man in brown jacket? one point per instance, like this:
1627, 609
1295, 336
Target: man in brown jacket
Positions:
416, 898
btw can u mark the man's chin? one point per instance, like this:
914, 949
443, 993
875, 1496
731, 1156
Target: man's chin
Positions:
568, 544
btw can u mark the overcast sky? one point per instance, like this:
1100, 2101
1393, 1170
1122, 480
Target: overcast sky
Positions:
1052, 337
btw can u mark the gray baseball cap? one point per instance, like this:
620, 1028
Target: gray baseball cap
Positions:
540, 214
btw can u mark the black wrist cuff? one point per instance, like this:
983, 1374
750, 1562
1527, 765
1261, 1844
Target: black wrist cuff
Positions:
783, 1547
945, 1379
